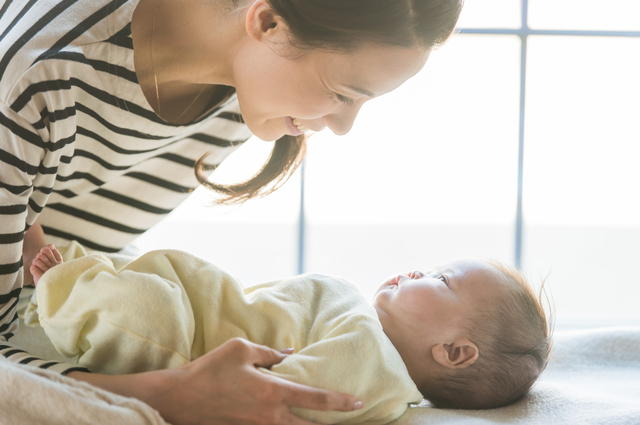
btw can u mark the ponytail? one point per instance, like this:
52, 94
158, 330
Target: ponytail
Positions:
286, 156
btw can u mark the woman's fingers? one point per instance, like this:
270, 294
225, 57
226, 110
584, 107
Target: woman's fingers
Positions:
298, 395
260, 355
224, 387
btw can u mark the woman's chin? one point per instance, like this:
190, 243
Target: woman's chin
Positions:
266, 139
265, 135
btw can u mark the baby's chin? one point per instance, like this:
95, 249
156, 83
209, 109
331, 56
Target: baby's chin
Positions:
384, 292
379, 289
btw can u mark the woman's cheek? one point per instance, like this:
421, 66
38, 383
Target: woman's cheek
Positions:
316, 106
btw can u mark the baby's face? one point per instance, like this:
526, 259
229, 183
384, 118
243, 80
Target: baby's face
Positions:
419, 310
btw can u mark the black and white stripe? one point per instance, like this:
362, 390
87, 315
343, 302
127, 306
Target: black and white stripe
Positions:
81, 150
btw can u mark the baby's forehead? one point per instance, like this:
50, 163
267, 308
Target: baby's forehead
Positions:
471, 268
478, 276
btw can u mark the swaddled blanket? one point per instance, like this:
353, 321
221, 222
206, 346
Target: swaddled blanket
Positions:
168, 307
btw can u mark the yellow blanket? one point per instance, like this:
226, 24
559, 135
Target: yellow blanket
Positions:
168, 307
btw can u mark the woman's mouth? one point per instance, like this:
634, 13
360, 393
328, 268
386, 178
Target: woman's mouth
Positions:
296, 126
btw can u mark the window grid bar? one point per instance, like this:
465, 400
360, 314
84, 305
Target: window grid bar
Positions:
523, 87
525, 32
302, 226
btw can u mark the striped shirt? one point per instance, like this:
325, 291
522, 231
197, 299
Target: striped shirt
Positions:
78, 135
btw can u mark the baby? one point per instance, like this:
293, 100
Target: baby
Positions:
468, 334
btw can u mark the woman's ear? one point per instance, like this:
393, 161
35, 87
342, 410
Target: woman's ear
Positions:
457, 355
262, 22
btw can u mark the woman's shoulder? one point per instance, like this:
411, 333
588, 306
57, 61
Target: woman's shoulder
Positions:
43, 29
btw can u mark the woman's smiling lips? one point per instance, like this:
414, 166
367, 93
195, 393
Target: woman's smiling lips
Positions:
295, 131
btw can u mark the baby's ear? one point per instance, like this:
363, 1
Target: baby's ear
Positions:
457, 355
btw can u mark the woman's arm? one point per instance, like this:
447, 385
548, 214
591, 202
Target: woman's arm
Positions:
22, 161
224, 387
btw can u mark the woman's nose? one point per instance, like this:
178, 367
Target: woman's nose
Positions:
340, 122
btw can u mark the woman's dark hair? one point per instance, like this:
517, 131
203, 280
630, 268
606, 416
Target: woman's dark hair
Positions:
341, 25
286, 156
345, 24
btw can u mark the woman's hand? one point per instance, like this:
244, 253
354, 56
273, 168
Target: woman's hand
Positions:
224, 387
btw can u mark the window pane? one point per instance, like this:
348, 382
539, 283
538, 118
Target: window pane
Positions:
582, 178
583, 131
256, 242
491, 14
428, 172
451, 130
619, 15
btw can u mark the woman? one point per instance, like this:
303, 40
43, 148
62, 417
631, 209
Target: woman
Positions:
98, 144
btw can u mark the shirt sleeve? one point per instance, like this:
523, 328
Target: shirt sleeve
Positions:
27, 178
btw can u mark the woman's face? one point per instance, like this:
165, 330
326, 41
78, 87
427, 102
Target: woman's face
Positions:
320, 89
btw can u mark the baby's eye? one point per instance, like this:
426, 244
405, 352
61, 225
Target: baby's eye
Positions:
444, 279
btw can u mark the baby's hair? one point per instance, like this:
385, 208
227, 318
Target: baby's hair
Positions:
514, 339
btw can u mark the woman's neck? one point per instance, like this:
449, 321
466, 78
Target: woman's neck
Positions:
179, 46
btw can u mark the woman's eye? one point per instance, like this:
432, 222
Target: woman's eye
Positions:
344, 100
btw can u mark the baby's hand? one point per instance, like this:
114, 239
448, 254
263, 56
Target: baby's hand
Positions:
47, 258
